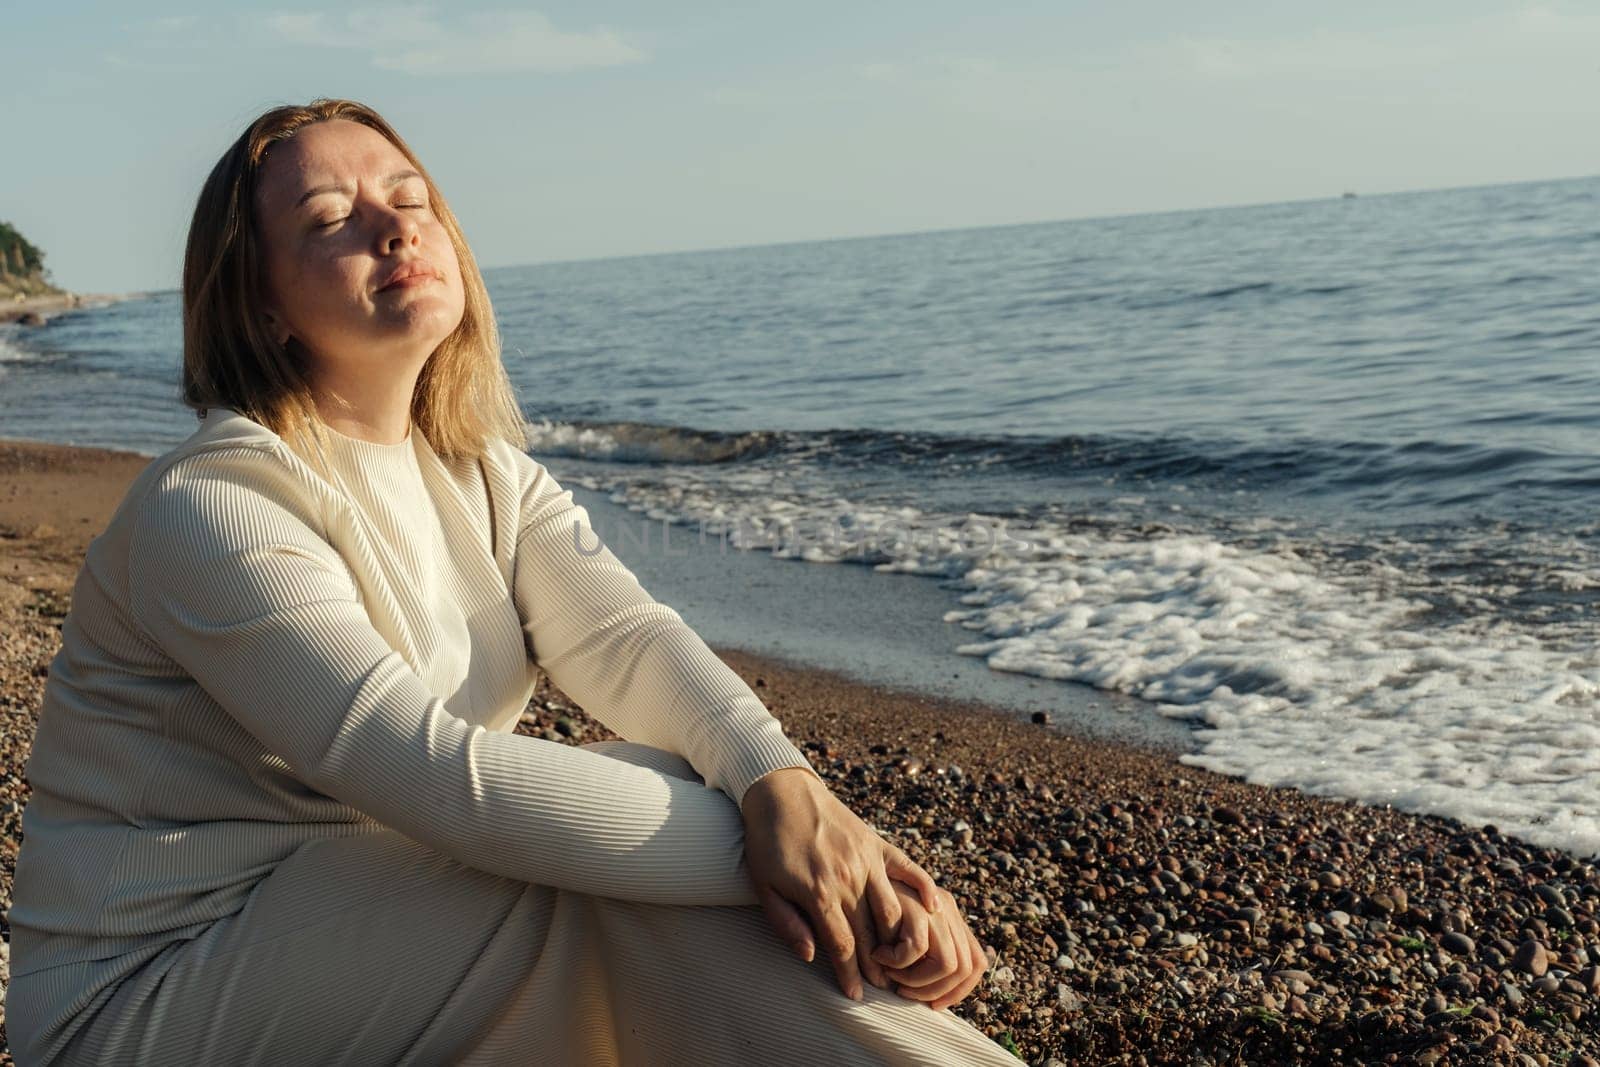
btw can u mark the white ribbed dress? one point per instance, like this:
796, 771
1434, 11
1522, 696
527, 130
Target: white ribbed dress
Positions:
279, 814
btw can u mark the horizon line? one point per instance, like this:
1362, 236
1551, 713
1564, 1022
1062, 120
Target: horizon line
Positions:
707, 249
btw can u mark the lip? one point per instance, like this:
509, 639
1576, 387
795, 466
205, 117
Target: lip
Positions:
412, 272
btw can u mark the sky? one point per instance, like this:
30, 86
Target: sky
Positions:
565, 131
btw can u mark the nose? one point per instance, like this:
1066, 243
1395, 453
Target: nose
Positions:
396, 229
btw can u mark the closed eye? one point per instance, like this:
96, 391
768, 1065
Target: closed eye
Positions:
330, 222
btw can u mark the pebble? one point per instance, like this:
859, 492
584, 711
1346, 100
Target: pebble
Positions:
1531, 958
1550, 895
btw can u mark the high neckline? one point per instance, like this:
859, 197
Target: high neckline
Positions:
372, 449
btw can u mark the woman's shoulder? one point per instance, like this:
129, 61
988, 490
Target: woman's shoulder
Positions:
232, 469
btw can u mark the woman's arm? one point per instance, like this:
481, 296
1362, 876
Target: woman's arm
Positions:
628, 660
821, 874
229, 575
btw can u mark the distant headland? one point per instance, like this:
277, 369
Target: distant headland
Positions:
27, 295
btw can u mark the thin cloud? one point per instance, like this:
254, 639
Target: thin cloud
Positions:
414, 40
176, 23
1541, 33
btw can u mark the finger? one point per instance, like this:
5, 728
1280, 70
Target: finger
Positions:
980, 967
866, 940
885, 903
903, 869
909, 947
937, 964
890, 920
911, 943
791, 926
960, 956
838, 941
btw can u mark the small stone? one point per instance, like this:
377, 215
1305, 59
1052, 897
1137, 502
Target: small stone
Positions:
1531, 958
1457, 943
1298, 982
1066, 999
1550, 895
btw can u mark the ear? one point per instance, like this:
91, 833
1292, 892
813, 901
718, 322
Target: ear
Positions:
276, 326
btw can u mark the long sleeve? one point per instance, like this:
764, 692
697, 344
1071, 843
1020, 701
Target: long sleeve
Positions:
631, 661
230, 577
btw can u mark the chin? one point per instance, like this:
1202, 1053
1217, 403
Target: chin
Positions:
428, 322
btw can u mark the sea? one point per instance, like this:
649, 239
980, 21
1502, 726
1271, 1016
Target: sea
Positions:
1317, 479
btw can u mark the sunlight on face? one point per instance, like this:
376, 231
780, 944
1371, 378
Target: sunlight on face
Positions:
339, 211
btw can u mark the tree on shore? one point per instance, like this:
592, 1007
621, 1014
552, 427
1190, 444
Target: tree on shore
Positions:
22, 267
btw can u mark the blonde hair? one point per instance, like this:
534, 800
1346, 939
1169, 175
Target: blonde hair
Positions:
463, 398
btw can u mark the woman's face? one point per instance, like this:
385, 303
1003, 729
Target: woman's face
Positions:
339, 211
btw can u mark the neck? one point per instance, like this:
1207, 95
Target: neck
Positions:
369, 410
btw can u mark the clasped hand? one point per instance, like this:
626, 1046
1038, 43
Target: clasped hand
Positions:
825, 878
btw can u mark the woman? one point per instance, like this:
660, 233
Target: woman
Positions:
278, 810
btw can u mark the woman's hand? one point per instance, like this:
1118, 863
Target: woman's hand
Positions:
824, 876
953, 964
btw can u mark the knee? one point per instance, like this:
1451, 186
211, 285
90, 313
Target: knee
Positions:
658, 759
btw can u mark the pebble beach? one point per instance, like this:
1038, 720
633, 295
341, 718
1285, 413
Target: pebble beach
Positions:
1135, 909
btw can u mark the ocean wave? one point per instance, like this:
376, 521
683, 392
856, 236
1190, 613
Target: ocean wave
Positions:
1389, 475
634, 442
10, 353
1386, 669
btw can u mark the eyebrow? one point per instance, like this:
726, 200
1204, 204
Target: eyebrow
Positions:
392, 180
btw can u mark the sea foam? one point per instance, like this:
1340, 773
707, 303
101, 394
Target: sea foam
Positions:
1297, 670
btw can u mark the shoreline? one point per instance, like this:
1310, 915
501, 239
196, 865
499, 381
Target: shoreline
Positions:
37, 310
1138, 909
883, 630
